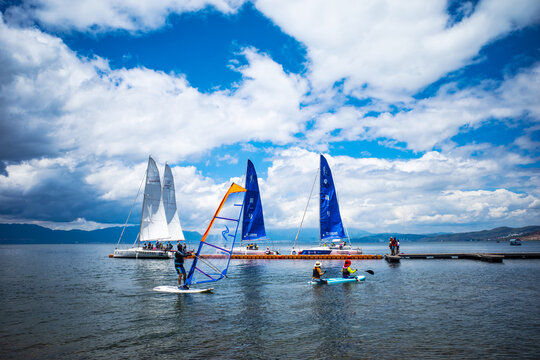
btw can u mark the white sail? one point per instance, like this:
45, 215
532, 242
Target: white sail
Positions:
153, 222
169, 203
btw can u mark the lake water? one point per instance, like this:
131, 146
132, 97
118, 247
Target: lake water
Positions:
73, 302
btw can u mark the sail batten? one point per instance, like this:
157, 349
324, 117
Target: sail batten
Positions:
331, 225
253, 218
214, 252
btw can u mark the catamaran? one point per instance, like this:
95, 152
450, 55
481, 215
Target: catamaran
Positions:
159, 218
253, 230
211, 261
333, 239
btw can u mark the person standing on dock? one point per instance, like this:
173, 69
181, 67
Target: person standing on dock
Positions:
317, 272
346, 270
397, 246
179, 256
392, 246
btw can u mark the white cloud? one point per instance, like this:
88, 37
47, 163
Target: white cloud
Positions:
425, 124
106, 15
90, 109
435, 192
391, 49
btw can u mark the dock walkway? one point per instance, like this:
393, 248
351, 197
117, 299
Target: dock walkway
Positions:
489, 257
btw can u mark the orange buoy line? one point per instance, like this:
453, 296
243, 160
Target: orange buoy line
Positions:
301, 257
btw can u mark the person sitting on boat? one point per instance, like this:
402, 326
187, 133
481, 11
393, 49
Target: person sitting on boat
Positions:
179, 256
317, 272
346, 270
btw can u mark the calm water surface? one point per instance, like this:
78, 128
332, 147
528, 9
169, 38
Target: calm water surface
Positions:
73, 302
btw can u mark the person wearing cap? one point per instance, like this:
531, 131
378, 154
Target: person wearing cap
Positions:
317, 272
179, 256
346, 270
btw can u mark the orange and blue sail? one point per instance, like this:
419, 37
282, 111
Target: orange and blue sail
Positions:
331, 226
214, 253
253, 218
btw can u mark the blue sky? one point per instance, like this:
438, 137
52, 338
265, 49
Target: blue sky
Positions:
428, 113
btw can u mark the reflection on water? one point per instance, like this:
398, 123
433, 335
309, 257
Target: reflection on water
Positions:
74, 302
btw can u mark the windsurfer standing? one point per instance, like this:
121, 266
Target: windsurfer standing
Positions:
179, 256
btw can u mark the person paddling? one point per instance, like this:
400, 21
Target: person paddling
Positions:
179, 256
346, 270
317, 272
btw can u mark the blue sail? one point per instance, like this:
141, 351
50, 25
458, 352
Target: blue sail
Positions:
253, 223
330, 218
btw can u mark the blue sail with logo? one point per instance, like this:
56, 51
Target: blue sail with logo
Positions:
331, 226
253, 222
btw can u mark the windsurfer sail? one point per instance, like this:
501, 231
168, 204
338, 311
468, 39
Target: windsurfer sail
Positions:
214, 253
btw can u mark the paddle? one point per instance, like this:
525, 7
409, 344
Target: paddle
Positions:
369, 271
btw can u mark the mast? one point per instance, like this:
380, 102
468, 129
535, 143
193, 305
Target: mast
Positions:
305, 210
143, 203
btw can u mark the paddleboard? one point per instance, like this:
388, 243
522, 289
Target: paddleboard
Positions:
177, 290
330, 281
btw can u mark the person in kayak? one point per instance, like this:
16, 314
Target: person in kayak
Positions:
317, 272
179, 256
346, 270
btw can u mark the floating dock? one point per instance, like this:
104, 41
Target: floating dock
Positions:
488, 257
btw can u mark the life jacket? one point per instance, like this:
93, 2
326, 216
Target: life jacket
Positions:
179, 257
345, 271
316, 274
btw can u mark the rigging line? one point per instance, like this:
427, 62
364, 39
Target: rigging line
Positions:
132, 206
209, 265
303, 216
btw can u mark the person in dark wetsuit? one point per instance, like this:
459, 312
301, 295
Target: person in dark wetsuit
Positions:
179, 256
317, 272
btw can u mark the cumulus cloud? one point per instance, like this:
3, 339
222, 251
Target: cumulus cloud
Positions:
391, 49
104, 15
63, 102
429, 123
70, 121
435, 192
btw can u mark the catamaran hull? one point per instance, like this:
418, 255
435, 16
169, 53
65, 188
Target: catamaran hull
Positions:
139, 253
327, 251
244, 251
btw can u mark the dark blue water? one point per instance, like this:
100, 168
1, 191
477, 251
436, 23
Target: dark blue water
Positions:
73, 302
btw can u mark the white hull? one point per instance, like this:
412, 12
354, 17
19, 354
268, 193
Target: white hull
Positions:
325, 250
244, 251
140, 253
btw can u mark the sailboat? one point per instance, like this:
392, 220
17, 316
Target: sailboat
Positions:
159, 218
332, 236
252, 218
211, 261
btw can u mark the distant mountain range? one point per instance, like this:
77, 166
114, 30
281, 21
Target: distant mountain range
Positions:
34, 234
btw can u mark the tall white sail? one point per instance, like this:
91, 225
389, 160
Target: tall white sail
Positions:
169, 203
153, 222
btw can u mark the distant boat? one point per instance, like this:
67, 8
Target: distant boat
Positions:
159, 218
253, 230
332, 236
515, 242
